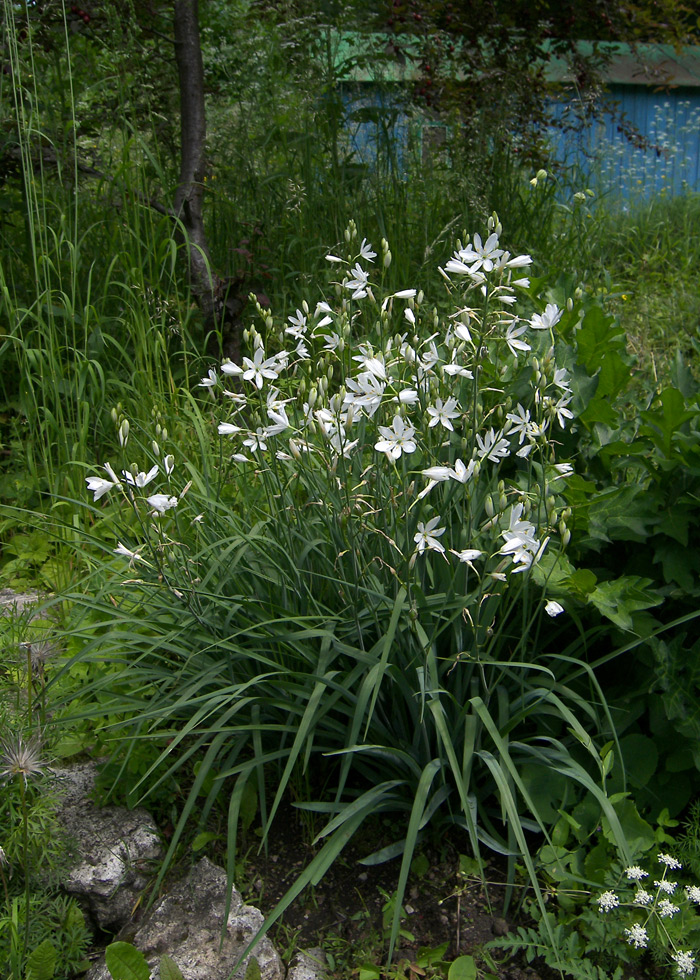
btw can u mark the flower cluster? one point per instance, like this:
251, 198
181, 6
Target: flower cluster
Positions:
655, 906
423, 408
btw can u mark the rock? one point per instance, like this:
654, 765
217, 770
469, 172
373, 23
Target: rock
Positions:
113, 849
186, 924
309, 964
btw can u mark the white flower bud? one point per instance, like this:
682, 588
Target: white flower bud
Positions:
387, 259
569, 304
156, 448
124, 432
488, 506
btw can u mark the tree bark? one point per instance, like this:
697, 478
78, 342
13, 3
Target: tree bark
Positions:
207, 286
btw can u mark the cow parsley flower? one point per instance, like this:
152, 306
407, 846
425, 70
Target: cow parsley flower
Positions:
635, 873
670, 862
637, 936
666, 908
685, 962
642, 897
666, 886
607, 901
693, 893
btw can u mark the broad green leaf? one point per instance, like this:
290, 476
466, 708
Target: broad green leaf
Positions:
619, 599
638, 834
41, 962
463, 968
125, 962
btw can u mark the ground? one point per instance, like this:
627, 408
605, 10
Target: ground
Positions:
348, 912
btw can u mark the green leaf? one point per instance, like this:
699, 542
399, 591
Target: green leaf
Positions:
125, 962
617, 600
202, 839
252, 971
463, 968
41, 962
638, 834
169, 970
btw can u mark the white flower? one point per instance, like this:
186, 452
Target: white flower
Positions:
141, 479
521, 542
666, 908
561, 379
297, 327
693, 893
460, 473
492, 446
607, 901
668, 887
99, 486
210, 380
468, 555
685, 962
553, 608
169, 464
256, 440
637, 936
160, 502
561, 410
546, 320
260, 368
635, 873
365, 391
397, 439
131, 555
642, 897
366, 252
228, 429
359, 283
515, 345
427, 535
669, 861
443, 414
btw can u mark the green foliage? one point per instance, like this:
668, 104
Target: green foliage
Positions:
300, 621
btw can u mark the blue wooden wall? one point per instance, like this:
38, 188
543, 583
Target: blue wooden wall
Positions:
670, 124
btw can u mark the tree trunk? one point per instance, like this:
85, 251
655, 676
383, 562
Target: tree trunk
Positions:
206, 285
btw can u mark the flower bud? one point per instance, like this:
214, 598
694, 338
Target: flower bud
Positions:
115, 415
566, 537
569, 304
294, 450
313, 395
387, 259
305, 307
488, 506
124, 433
269, 322
156, 448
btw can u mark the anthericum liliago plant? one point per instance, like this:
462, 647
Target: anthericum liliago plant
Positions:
362, 558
